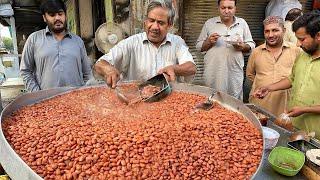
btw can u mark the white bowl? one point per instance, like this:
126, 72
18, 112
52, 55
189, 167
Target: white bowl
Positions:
271, 137
312, 155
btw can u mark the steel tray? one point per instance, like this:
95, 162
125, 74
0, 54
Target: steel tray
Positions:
18, 169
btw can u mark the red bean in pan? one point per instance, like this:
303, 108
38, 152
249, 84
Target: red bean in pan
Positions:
90, 134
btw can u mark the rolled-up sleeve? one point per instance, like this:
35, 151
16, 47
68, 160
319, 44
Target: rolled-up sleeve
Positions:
113, 56
183, 53
247, 37
27, 66
202, 37
119, 55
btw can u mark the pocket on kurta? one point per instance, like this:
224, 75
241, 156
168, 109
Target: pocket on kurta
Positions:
235, 61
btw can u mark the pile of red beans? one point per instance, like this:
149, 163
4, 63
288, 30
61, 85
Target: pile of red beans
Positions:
90, 134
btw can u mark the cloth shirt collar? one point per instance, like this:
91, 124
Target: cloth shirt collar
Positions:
167, 39
235, 22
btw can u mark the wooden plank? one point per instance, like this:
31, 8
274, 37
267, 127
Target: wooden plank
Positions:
85, 14
309, 173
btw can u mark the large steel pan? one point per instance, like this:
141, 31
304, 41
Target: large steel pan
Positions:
18, 169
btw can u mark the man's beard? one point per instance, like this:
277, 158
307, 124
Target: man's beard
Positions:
311, 50
57, 30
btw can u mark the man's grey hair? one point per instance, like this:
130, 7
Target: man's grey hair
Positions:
274, 19
167, 4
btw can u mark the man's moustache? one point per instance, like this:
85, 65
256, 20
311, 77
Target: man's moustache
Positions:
57, 22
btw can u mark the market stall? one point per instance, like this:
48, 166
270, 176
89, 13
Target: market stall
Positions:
17, 168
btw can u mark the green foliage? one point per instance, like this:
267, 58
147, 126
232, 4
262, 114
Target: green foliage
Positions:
7, 42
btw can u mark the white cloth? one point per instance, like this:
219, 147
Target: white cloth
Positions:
6, 10
138, 59
289, 35
223, 65
281, 7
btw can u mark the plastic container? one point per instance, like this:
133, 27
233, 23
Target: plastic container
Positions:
271, 137
286, 161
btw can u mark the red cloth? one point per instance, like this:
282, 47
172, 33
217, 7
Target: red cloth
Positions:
316, 4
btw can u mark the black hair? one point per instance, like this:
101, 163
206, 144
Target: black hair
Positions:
235, 2
52, 6
310, 20
293, 14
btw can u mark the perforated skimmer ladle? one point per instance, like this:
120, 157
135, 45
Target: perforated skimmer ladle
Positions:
136, 93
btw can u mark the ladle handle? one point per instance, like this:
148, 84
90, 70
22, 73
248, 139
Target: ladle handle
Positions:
210, 99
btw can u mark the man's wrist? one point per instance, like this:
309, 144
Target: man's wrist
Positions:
110, 68
270, 89
249, 47
99, 60
175, 67
245, 48
306, 109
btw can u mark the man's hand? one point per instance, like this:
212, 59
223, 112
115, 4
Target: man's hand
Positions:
296, 111
112, 76
210, 42
213, 38
169, 72
109, 73
261, 92
241, 46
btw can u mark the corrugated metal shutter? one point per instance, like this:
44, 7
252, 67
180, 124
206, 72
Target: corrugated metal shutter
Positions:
306, 5
196, 12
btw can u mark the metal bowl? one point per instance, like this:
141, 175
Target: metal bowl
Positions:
18, 169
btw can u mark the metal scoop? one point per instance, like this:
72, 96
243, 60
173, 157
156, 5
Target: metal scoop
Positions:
126, 91
207, 105
135, 94
158, 81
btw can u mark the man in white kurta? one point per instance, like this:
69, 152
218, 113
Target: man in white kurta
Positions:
224, 39
281, 7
